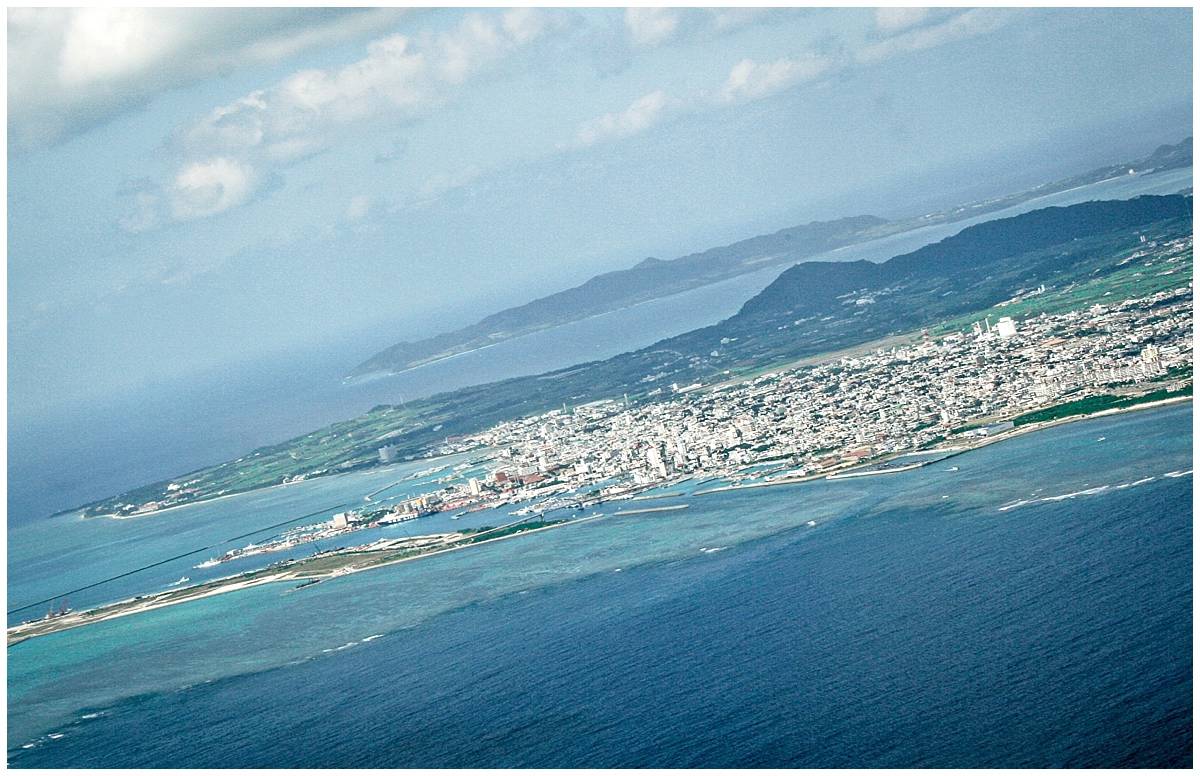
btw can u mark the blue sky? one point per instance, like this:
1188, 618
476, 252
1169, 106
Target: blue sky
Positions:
191, 188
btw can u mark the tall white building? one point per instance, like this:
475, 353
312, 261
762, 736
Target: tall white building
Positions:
1006, 327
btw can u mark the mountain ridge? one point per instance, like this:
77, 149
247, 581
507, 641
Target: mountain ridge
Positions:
650, 278
654, 278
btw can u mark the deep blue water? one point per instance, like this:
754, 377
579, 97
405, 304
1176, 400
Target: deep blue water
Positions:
918, 624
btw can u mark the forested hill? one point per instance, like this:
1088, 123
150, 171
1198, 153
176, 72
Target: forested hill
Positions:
654, 278
650, 279
972, 255
820, 306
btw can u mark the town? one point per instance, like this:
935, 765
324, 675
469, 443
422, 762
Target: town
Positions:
823, 420
817, 419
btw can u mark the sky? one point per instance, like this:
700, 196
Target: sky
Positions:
194, 188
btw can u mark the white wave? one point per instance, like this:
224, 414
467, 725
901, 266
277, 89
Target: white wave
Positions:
1076, 494
1179, 473
1066, 496
712, 549
1135, 483
372, 638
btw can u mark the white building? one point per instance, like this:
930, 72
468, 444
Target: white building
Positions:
1006, 327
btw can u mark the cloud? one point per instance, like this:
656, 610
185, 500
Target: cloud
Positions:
642, 113
750, 80
210, 187
977, 21
725, 20
897, 31
651, 26
892, 20
358, 208
243, 142
73, 69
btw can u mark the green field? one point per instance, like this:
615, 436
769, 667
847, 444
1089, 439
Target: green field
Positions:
1091, 404
1140, 277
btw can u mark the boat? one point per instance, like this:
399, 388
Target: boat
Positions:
952, 469
1100, 439
180, 581
811, 523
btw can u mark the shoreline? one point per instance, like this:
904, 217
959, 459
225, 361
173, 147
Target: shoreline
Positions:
352, 379
959, 448
261, 488
130, 606
874, 472
125, 607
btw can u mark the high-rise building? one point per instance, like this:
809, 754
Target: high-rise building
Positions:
1006, 327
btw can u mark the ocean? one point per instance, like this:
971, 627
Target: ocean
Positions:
88, 452
1025, 604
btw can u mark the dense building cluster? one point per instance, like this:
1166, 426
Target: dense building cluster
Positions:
819, 418
806, 421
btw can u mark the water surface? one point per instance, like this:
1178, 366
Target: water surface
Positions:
919, 622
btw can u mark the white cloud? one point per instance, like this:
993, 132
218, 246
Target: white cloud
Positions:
441, 183
750, 80
651, 26
524, 25
977, 21
730, 19
892, 20
358, 208
643, 113
210, 187
399, 77
73, 69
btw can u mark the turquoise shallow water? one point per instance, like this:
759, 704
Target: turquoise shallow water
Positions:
52, 556
1097, 561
